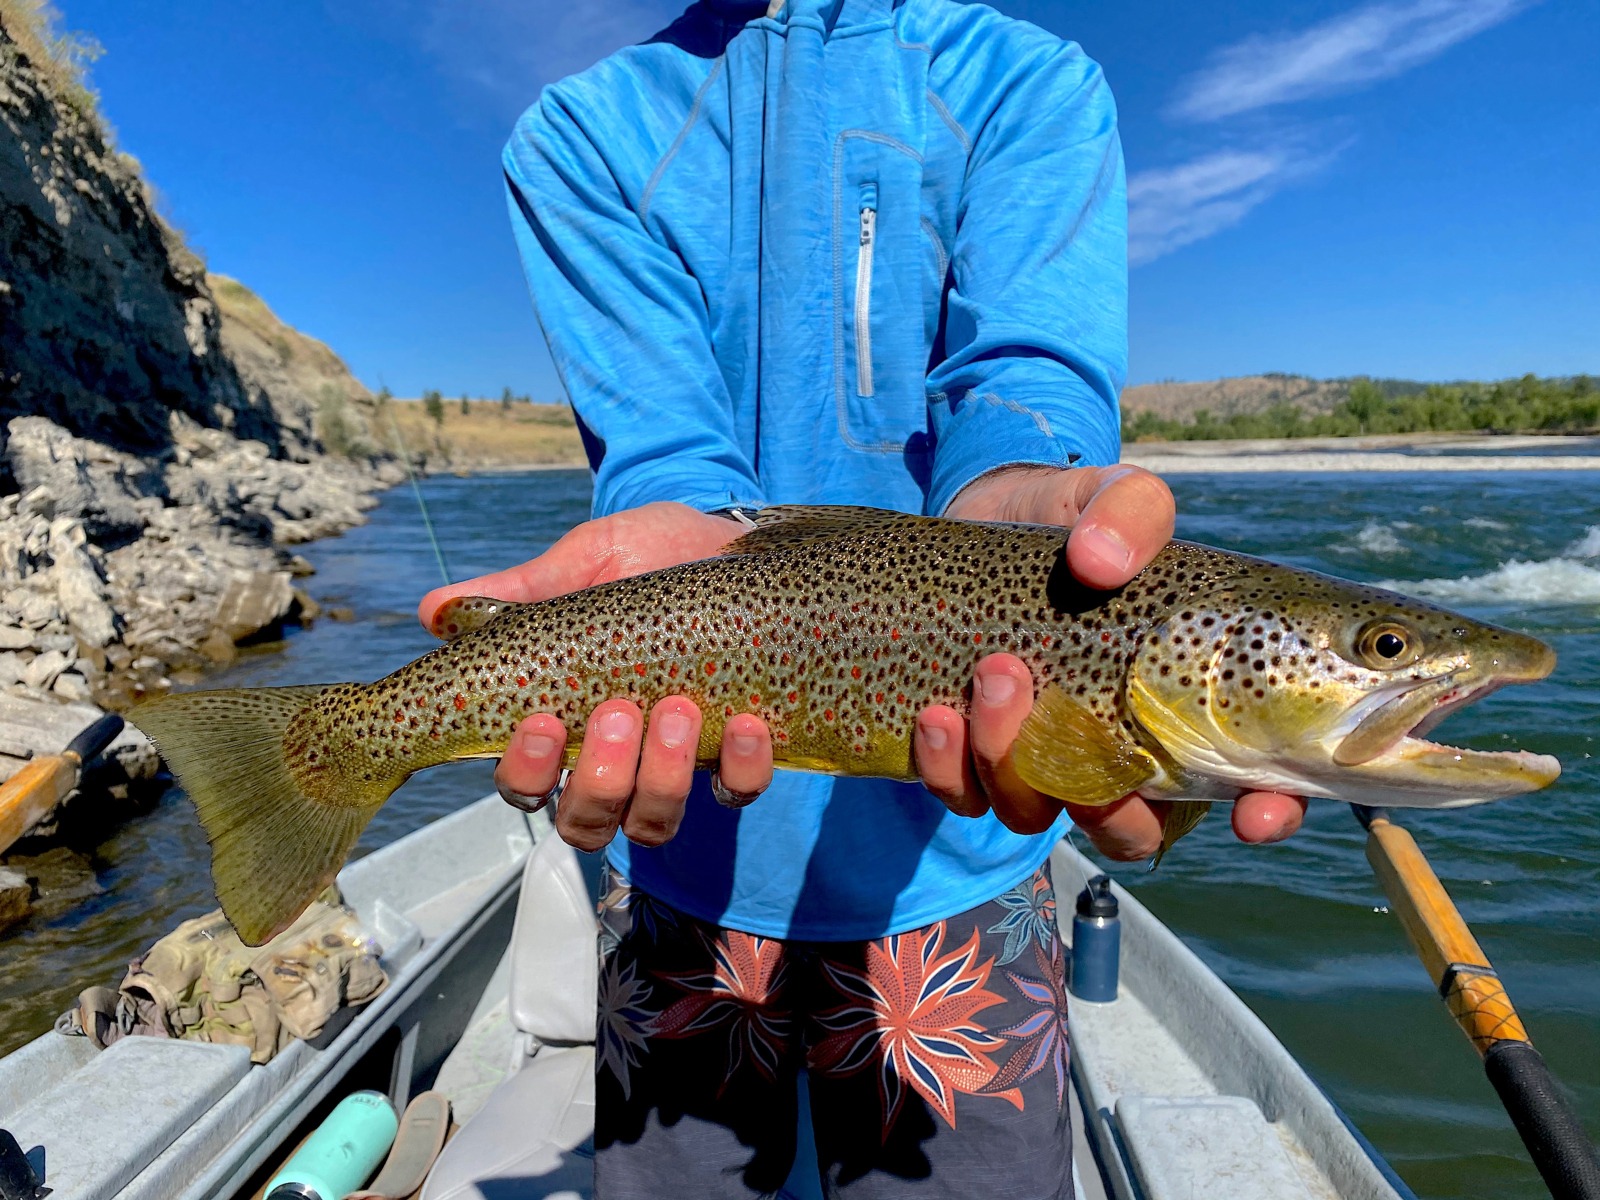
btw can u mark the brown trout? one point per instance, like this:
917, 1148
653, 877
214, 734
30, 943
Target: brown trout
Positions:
1208, 673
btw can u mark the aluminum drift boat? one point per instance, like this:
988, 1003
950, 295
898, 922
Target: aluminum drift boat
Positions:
487, 920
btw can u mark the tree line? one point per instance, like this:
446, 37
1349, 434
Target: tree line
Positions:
1526, 405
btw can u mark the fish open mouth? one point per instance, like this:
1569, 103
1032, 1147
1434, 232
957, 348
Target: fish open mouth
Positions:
1393, 730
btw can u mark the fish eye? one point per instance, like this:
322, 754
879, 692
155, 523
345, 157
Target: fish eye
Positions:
1386, 644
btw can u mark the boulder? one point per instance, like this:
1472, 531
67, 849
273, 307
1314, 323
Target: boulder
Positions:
254, 602
65, 476
12, 666
81, 585
14, 637
40, 674
16, 897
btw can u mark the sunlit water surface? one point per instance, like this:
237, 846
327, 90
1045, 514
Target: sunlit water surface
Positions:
1299, 929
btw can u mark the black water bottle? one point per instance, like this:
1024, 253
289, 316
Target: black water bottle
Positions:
1096, 943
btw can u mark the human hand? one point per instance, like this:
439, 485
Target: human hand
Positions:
1120, 518
631, 773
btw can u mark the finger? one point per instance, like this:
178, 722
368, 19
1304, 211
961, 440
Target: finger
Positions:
1124, 830
528, 772
744, 769
1002, 697
666, 769
602, 779
1125, 518
944, 761
574, 562
1267, 816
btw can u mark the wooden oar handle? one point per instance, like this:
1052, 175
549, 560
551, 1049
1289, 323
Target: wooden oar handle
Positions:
1549, 1127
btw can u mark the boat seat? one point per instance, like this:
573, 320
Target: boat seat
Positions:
533, 1137
1180, 1147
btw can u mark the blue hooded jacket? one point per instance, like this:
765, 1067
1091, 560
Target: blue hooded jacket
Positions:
834, 251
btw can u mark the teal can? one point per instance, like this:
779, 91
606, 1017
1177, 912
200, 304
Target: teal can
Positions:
344, 1152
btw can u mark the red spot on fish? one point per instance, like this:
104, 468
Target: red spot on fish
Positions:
728, 710
638, 668
784, 658
894, 635
785, 618
817, 630
900, 697
461, 701
855, 672
711, 668
880, 697
616, 637
1105, 637
672, 671
522, 681
756, 640
572, 681
934, 666
941, 606
453, 628
794, 697
977, 639
399, 715
589, 631
755, 700
544, 699
1044, 640
827, 714
616, 672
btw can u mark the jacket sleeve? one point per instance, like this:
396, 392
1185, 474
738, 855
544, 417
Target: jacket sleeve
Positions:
1035, 336
626, 325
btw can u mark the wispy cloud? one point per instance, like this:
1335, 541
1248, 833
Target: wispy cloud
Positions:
512, 48
1340, 54
1174, 206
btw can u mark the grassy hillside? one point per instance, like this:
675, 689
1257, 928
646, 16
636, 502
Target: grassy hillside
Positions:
1363, 406
489, 434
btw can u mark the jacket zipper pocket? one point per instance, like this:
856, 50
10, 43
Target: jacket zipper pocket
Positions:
869, 233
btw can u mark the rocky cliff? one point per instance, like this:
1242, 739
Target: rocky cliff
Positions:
163, 436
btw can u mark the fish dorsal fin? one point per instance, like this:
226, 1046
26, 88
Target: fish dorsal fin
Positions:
795, 524
467, 614
1065, 751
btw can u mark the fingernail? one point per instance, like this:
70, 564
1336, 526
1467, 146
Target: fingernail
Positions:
996, 689
614, 726
744, 743
1104, 545
536, 745
934, 737
673, 729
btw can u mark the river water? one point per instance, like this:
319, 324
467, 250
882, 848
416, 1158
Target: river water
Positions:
1298, 929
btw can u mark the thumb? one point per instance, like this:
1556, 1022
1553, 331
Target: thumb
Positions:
573, 563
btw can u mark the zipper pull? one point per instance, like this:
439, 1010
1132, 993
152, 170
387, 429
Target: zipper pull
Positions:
869, 225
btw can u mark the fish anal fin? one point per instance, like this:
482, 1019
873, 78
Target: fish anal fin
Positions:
1065, 751
467, 614
1182, 816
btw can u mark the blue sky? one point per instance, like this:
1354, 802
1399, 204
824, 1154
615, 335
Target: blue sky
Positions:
1404, 188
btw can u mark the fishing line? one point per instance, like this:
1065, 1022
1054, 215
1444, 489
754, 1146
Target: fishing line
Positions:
416, 490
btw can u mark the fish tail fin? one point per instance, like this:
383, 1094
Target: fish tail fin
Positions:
1182, 816
273, 848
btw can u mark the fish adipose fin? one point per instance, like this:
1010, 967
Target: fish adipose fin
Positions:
1065, 751
273, 849
467, 614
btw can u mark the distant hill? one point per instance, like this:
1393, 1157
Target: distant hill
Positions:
1239, 394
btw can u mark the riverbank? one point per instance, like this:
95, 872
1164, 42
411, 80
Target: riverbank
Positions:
1391, 452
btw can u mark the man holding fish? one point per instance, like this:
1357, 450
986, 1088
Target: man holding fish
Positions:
847, 253
841, 254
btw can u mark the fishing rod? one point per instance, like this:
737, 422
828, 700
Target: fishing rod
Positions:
416, 490
1477, 999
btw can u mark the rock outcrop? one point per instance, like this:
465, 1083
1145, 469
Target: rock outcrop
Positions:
164, 437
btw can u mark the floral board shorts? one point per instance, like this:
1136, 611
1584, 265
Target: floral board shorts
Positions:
935, 1059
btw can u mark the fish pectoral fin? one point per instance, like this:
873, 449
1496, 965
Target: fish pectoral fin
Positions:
1181, 818
1065, 751
467, 614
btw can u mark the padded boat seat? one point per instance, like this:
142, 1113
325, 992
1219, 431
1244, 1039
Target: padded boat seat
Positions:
533, 1138
1186, 1146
